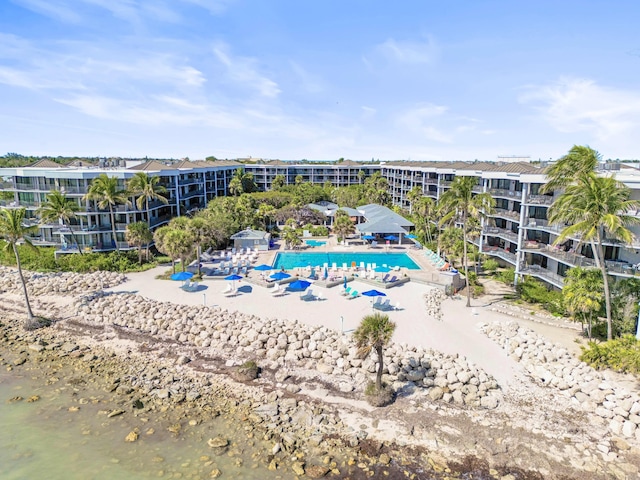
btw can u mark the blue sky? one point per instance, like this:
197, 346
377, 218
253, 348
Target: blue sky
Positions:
324, 79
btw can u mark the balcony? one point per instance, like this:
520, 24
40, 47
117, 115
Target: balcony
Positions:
502, 233
508, 214
568, 258
501, 192
539, 200
621, 269
500, 253
544, 274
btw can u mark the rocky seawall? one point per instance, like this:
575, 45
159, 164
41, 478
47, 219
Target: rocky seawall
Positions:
449, 416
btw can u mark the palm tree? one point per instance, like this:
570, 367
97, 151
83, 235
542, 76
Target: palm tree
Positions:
13, 231
146, 189
242, 182
374, 333
104, 190
58, 207
343, 225
265, 213
580, 161
361, 176
138, 234
291, 237
423, 210
596, 208
413, 196
583, 294
460, 203
174, 242
200, 231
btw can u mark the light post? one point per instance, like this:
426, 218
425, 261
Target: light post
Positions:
204, 299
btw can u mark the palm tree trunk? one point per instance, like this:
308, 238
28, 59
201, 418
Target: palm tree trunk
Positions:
464, 258
149, 223
30, 323
199, 253
112, 217
380, 368
73, 237
140, 254
605, 280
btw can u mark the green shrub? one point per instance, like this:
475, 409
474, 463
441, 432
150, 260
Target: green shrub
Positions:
507, 276
621, 354
533, 291
41, 260
379, 398
490, 265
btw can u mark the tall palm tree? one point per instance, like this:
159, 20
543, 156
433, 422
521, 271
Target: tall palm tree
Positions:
138, 234
200, 231
460, 203
58, 207
146, 189
596, 208
580, 161
13, 231
423, 211
413, 196
374, 333
104, 190
174, 242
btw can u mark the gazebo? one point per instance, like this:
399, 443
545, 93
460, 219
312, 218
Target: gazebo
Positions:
251, 238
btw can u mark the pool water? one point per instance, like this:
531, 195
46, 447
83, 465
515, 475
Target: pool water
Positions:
315, 243
291, 260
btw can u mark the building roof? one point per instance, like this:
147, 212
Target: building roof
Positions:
384, 225
45, 163
151, 165
352, 212
249, 233
375, 213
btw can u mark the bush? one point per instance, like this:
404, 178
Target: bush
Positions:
247, 371
379, 398
490, 265
507, 276
621, 354
533, 291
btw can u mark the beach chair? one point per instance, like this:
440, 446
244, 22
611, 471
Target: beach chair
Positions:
334, 267
353, 294
320, 296
345, 268
397, 306
445, 267
372, 275
243, 270
308, 295
232, 293
278, 291
386, 277
393, 279
361, 265
228, 289
346, 291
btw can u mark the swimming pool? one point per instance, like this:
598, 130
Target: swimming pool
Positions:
315, 243
289, 260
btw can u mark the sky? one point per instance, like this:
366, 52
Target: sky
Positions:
319, 79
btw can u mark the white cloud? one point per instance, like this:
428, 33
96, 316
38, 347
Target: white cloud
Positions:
423, 120
244, 70
581, 105
410, 52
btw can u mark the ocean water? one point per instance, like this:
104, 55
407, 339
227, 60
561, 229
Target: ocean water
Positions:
66, 435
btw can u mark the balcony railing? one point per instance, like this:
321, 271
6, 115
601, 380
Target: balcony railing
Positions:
544, 274
568, 258
502, 192
500, 252
539, 200
502, 233
509, 214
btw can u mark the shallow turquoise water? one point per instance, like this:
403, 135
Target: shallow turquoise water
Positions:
44, 439
289, 260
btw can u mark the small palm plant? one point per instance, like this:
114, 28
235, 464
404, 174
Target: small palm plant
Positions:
12, 230
61, 209
374, 333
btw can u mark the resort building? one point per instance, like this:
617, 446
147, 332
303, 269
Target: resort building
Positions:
517, 233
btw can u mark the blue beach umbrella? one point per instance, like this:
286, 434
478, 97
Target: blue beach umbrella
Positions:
344, 283
374, 293
299, 285
391, 237
411, 236
263, 268
368, 237
233, 278
182, 276
326, 273
279, 276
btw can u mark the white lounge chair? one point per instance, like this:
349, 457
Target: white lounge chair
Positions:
308, 295
228, 289
232, 293
319, 296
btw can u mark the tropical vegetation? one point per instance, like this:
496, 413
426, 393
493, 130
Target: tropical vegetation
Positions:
107, 194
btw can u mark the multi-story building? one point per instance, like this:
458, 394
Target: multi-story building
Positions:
517, 232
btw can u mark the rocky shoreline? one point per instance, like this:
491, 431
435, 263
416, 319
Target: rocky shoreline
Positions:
449, 417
